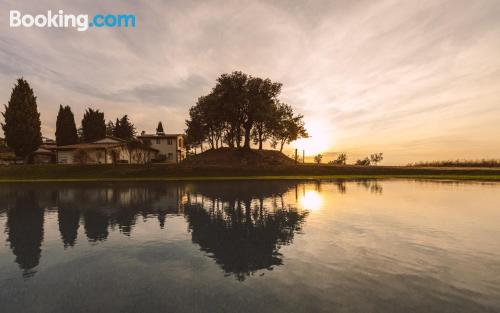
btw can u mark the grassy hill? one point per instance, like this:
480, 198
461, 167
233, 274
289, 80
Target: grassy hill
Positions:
239, 157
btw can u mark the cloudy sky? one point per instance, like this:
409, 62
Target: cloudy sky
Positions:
417, 80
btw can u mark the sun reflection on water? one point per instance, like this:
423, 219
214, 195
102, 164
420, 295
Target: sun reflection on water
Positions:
311, 200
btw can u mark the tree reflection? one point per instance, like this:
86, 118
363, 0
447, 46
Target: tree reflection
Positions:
25, 231
241, 233
69, 222
242, 225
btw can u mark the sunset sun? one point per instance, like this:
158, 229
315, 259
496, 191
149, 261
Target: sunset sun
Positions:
318, 141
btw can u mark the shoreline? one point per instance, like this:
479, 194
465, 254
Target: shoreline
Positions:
174, 172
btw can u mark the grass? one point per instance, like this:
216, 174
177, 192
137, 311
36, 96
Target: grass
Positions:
164, 172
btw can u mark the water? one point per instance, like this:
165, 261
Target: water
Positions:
258, 246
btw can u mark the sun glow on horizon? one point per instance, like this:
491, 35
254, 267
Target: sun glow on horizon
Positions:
319, 141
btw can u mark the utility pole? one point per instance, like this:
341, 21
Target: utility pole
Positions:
296, 161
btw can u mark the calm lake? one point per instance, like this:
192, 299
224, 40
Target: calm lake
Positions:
250, 246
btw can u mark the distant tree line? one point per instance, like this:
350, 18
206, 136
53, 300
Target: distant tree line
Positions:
459, 163
240, 110
93, 127
22, 125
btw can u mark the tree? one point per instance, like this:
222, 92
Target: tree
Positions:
230, 92
124, 129
363, 162
376, 157
22, 126
241, 109
66, 133
110, 128
194, 133
159, 128
288, 127
318, 158
93, 125
341, 159
261, 95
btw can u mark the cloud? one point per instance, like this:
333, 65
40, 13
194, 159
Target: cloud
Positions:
375, 74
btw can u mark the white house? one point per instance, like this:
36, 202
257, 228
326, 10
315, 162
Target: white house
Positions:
171, 147
108, 150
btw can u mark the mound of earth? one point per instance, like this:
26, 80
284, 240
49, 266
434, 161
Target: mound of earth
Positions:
238, 157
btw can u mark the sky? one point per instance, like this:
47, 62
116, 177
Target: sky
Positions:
416, 80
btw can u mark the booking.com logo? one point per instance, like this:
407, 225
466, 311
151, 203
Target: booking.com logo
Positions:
60, 20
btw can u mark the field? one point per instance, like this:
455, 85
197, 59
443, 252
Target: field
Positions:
159, 172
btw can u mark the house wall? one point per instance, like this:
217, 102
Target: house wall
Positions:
168, 147
100, 157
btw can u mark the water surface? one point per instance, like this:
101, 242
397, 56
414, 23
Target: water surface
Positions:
254, 246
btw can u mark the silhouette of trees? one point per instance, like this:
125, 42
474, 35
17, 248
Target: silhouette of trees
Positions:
124, 129
241, 109
318, 158
376, 158
159, 128
93, 125
363, 162
22, 128
287, 127
66, 133
341, 159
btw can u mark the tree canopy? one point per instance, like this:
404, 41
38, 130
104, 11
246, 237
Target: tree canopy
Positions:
66, 133
22, 127
93, 125
124, 129
242, 109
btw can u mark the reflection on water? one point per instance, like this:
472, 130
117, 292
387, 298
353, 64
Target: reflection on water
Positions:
351, 246
241, 225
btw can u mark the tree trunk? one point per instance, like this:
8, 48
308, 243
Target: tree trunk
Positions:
248, 129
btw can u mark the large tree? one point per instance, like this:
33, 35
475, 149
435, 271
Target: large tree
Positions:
22, 127
93, 125
241, 108
231, 95
66, 133
124, 129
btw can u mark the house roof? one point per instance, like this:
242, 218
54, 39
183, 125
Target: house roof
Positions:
43, 151
89, 146
159, 135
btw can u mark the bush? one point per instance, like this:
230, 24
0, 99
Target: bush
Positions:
341, 159
318, 158
363, 162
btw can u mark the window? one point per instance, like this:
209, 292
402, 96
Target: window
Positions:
170, 157
157, 141
169, 141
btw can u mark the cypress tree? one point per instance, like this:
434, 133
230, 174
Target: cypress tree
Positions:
22, 126
159, 129
124, 129
110, 128
93, 125
65, 127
